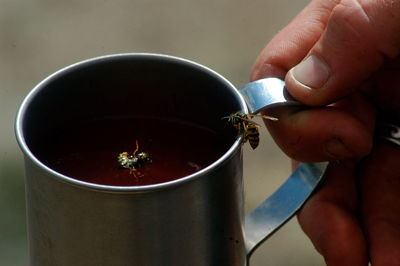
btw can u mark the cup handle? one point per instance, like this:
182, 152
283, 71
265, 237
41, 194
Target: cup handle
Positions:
276, 210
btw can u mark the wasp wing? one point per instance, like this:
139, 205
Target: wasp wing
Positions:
264, 116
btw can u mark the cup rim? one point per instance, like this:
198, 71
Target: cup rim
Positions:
118, 189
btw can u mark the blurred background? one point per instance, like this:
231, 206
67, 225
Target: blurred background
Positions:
38, 37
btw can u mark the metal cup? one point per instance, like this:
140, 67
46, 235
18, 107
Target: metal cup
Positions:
195, 220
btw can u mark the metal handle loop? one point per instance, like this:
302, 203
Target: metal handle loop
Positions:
266, 93
276, 210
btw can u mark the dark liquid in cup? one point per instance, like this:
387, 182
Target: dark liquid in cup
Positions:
88, 150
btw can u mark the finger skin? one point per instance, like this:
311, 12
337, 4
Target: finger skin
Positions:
379, 182
383, 90
293, 43
329, 218
354, 38
305, 135
308, 135
358, 38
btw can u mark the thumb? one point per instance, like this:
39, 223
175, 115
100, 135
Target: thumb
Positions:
359, 36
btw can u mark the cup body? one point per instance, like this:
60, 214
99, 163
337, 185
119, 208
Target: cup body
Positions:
195, 220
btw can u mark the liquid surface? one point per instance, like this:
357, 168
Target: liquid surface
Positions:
88, 150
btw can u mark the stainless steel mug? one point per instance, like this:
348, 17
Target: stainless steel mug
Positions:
195, 220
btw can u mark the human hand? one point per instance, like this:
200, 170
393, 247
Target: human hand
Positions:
350, 64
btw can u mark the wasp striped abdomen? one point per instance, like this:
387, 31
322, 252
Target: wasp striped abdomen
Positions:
253, 135
243, 124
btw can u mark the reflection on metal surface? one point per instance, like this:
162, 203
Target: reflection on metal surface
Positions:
283, 204
266, 93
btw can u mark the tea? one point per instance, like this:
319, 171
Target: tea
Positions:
88, 150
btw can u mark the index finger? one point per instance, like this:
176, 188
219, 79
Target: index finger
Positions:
293, 42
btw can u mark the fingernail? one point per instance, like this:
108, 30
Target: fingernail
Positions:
336, 148
312, 72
